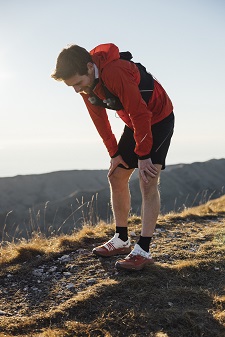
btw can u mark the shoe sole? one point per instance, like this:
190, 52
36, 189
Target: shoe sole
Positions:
137, 268
109, 254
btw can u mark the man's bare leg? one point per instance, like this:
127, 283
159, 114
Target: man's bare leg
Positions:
140, 256
150, 204
120, 195
120, 198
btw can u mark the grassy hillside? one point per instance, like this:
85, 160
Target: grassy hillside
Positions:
55, 287
61, 201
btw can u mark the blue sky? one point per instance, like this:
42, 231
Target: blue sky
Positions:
45, 126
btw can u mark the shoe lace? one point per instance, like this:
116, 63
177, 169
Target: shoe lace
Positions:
134, 253
111, 244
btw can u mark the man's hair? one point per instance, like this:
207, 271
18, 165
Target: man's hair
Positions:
71, 61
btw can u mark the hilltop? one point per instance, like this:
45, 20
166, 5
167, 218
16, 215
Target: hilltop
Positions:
55, 287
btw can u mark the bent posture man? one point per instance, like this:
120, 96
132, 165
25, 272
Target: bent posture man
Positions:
108, 79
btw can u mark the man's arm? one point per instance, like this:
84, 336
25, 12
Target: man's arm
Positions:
100, 119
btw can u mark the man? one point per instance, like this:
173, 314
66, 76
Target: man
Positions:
107, 79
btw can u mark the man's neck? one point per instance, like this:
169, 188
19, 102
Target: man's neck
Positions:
96, 71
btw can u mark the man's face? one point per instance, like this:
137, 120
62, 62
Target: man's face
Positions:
82, 83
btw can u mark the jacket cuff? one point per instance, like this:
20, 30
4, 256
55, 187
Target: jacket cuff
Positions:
115, 155
144, 157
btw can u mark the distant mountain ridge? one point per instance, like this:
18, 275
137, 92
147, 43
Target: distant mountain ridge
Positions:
64, 200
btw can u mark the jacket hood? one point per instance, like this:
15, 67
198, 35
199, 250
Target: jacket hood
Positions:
104, 54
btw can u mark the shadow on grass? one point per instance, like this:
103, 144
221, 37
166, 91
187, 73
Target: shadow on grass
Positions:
178, 302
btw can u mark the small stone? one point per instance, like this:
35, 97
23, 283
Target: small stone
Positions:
64, 258
34, 289
192, 249
3, 313
91, 281
80, 251
67, 273
38, 272
70, 286
52, 269
170, 304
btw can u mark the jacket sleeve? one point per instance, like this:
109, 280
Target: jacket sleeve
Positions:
123, 83
100, 119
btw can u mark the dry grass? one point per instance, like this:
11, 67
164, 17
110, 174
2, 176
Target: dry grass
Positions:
181, 295
212, 208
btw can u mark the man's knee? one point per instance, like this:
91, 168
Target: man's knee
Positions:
119, 177
114, 179
150, 188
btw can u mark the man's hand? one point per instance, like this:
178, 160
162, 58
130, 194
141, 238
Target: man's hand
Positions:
115, 162
146, 168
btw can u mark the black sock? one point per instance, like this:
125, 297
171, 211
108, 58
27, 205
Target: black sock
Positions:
144, 242
123, 234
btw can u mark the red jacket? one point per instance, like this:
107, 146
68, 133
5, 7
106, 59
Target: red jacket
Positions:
122, 78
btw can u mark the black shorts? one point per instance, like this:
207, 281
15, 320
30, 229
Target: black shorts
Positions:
161, 132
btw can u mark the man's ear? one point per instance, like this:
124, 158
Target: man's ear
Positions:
90, 67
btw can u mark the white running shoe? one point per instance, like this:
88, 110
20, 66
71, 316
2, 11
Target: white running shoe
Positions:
114, 246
